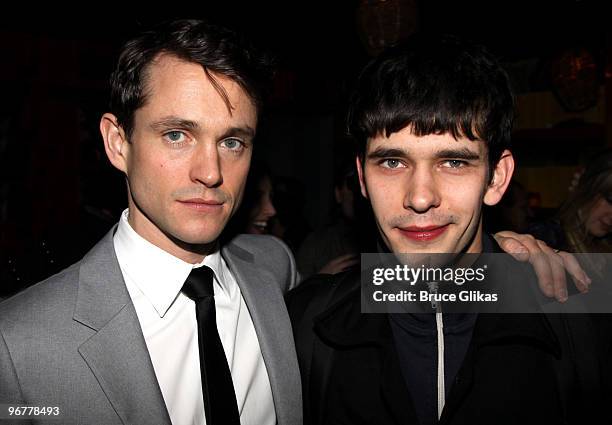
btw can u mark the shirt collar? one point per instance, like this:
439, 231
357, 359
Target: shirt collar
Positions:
158, 274
215, 261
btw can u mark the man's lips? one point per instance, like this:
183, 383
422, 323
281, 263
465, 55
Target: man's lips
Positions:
426, 233
201, 203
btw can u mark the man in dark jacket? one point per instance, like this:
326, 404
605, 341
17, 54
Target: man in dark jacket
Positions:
433, 119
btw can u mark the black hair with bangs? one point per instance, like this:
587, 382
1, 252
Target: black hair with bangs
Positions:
436, 84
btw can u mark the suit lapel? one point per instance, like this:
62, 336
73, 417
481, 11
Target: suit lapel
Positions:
266, 305
116, 354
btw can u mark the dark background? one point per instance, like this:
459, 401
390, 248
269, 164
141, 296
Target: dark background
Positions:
58, 192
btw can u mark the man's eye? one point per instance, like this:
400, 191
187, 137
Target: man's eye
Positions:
455, 163
233, 144
391, 163
175, 137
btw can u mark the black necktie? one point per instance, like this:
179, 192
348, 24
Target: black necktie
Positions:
217, 388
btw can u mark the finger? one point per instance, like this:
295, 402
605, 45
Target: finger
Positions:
512, 246
345, 257
340, 259
572, 266
340, 264
348, 266
541, 264
557, 267
349, 263
541, 267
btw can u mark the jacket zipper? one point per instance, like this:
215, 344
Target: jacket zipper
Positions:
433, 289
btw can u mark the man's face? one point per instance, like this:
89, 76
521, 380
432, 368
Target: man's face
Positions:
427, 192
189, 156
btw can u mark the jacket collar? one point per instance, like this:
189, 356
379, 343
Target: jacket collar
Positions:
102, 292
343, 324
264, 300
116, 353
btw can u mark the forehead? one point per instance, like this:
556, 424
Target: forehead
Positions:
411, 144
175, 87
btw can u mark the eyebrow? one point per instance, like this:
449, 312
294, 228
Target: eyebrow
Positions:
463, 153
381, 152
244, 132
176, 122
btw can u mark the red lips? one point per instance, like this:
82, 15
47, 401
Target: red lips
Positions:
202, 204
423, 234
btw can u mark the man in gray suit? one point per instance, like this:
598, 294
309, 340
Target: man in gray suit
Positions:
113, 339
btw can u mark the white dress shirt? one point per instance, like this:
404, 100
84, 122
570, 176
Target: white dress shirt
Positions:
154, 279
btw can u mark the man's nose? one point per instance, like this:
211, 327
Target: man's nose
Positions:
206, 165
422, 190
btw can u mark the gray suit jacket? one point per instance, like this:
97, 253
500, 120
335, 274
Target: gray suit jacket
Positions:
74, 340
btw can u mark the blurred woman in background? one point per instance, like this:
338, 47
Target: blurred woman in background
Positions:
586, 216
257, 208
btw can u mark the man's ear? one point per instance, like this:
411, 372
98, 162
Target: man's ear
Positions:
502, 174
116, 144
362, 185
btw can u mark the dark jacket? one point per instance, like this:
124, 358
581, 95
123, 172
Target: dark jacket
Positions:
519, 368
